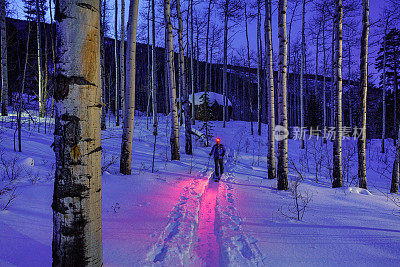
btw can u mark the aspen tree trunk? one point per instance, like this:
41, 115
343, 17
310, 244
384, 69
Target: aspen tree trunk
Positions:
282, 96
148, 68
395, 102
103, 63
271, 90
302, 55
53, 52
166, 74
258, 69
122, 59
185, 100
197, 55
333, 75
294, 121
153, 79
384, 95
191, 63
316, 65
117, 81
362, 172
224, 77
21, 93
207, 34
77, 238
46, 70
4, 67
39, 60
396, 168
350, 89
174, 137
337, 144
248, 71
324, 65
128, 124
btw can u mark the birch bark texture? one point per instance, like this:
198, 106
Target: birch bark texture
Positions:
77, 238
282, 96
128, 124
362, 139
39, 60
174, 137
271, 91
184, 99
337, 143
302, 59
396, 168
225, 66
258, 68
4, 67
122, 58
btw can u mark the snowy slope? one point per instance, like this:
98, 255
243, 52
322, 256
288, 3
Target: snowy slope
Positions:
176, 217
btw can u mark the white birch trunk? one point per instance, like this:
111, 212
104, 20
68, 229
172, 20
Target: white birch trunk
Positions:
362, 172
39, 60
396, 168
282, 96
174, 137
127, 127
248, 72
271, 90
117, 81
77, 238
122, 58
337, 144
258, 68
224, 77
191, 63
324, 66
153, 80
207, 35
302, 59
183, 85
4, 67
384, 96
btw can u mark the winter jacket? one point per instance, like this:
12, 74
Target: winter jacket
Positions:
218, 151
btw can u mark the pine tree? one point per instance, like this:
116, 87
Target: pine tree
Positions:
205, 114
390, 52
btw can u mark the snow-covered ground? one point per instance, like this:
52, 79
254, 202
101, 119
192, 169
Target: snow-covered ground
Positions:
176, 216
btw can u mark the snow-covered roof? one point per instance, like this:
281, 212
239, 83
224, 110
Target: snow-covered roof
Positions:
212, 96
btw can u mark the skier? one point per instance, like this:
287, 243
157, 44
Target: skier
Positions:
218, 151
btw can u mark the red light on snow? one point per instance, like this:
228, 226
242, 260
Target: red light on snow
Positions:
218, 140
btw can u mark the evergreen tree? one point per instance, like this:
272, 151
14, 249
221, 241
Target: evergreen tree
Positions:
205, 114
392, 69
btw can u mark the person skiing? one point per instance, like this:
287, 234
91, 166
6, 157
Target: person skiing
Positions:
218, 151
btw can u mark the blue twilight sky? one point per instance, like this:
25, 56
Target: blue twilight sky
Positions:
238, 40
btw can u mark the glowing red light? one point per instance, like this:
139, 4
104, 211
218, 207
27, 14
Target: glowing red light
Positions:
218, 140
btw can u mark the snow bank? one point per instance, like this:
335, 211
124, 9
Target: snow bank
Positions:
214, 97
357, 190
28, 162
